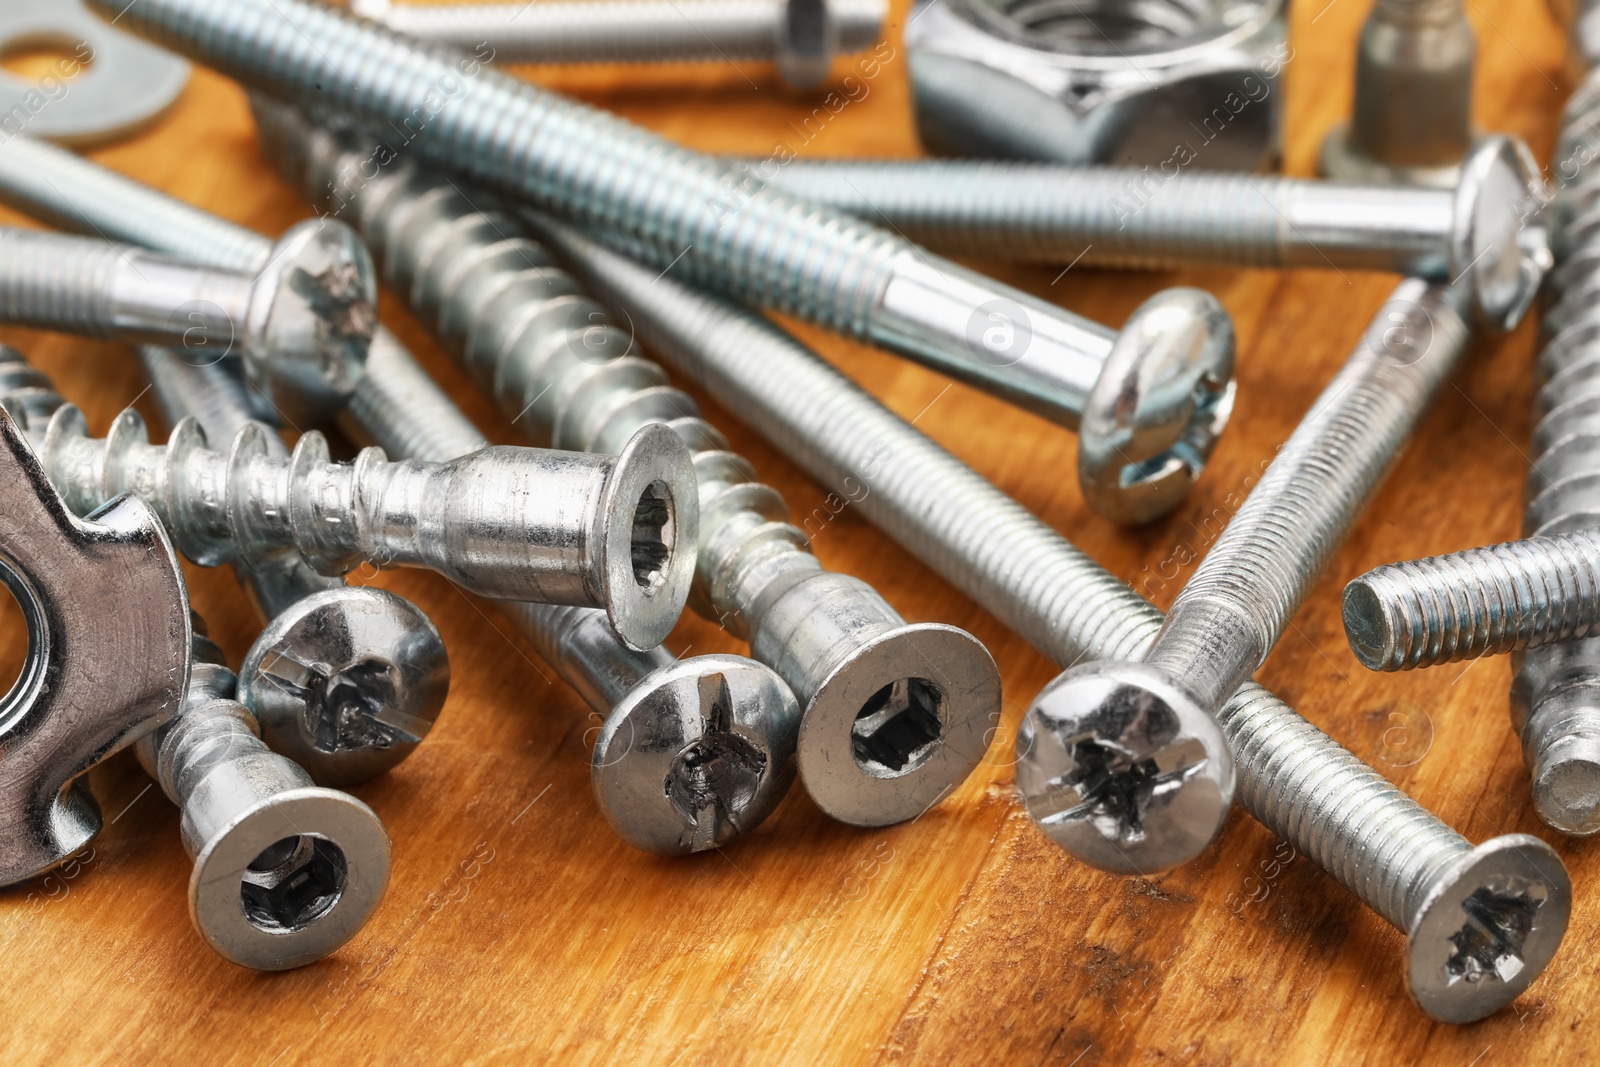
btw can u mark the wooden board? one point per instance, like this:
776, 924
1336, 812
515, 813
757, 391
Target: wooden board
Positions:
518, 930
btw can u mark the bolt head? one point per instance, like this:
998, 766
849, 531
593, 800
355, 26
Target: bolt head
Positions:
346, 683
698, 753
1123, 769
1500, 242
649, 529
313, 311
290, 878
1490, 923
1161, 402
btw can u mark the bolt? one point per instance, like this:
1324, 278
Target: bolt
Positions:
1480, 923
284, 871
1412, 122
895, 714
1486, 227
302, 324
803, 36
1481, 602
511, 523
1149, 401
693, 752
74, 194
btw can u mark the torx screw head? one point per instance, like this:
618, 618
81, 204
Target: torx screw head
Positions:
1161, 402
346, 683
1499, 235
1123, 769
1487, 928
313, 310
650, 519
696, 754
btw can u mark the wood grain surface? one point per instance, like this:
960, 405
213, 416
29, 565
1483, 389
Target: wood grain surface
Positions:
519, 930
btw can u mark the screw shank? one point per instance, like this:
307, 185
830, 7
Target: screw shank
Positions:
585, 652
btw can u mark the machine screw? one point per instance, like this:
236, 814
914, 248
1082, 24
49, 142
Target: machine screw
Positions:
302, 325
284, 871
510, 523
1148, 402
693, 752
896, 715
1412, 122
1487, 227
1481, 602
803, 36
1480, 923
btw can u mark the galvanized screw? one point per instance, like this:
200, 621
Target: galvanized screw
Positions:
1413, 110
1480, 602
895, 714
1149, 402
803, 36
1480, 923
302, 325
1486, 227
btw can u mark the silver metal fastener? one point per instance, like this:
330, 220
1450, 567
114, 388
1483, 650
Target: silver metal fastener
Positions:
896, 715
803, 36
1487, 228
1412, 122
1148, 402
302, 325
1481, 922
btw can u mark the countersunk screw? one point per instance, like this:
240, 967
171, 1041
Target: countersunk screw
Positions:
1488, 227
301, 325
1149, 401
1480, 602
1480, 923
1412, 122
896, 715
803, 36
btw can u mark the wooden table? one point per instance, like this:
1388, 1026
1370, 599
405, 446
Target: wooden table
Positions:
519, 930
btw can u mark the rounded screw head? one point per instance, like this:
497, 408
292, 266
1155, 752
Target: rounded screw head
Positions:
1120, 767
1499, 236
897, 725
649, 532
698, 753
1161, 402
346, 683
289, 880
313, 310
1487, 928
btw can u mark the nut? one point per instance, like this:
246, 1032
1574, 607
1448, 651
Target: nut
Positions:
1107, 81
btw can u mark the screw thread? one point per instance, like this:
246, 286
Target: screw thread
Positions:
580, 645
56, 282
1273, 550
1484, 601
26, 392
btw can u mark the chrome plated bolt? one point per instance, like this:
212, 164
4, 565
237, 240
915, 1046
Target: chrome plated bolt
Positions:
803, 36
1480, 922
301, 325
1480, 602
511, 523
896, 715
1488, 228
1412, 122
284, 871
1149, 401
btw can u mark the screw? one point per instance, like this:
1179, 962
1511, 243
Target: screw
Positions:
302, 324
1149, 401
1481, 602
1486, 227
345, 680
1480, 923
512, 523
284, 871
803, 36
895, 714
70, 193
1412, 122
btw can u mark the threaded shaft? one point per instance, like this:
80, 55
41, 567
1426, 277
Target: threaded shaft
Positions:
1018, 568
579, 644
1234, 608
59, 283
26, 392
1481, 602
